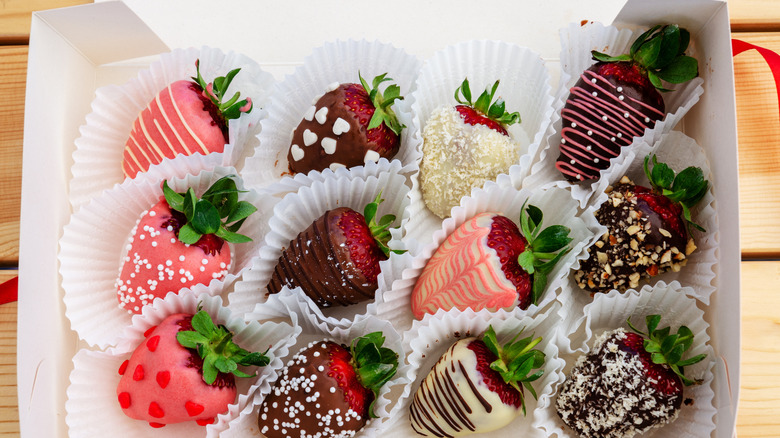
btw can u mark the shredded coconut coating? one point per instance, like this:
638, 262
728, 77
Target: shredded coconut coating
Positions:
458, 157
606, 395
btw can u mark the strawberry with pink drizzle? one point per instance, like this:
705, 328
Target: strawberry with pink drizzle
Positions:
184, 370
180, 242
618, 98
488, 263
187, 117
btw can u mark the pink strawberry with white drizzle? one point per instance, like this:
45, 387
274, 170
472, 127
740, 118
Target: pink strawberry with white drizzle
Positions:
187, 117
488, 263
183, 371
180, 242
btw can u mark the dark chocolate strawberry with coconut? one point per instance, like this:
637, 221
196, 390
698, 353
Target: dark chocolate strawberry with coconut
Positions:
489, 263
648, 229
187, 117
328, 389
181, 241
631, 382
336, 259
618, 98
464, 146
477, 386
184, 370
349, 125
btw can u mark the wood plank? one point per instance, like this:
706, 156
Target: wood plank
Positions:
9, 407
13, 78
754, 15
759, 149
15, 17
759, 404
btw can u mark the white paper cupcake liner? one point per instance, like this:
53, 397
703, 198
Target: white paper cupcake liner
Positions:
291, 304
94, 243
558, 207
430, 338
338, 61
298, 210
525, 86
98, 156
577, 41
678, 151
677, 307
94, 378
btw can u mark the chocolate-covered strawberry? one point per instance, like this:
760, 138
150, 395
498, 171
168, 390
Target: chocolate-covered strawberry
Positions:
328, 389
476, 386
490, 263
181, 241
647, 229
617, 98
187, 117
336, 259
629, 383
349, 125
184, 370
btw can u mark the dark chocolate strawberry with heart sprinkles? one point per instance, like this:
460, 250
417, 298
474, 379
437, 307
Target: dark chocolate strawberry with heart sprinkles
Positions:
647, 229
618, 98
630, 383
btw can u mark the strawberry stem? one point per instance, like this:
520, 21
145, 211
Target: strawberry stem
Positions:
686, 188
380, 230
495, 111
374, 364
216, 90
382, 103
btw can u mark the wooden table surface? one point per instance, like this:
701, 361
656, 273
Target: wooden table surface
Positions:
755, 21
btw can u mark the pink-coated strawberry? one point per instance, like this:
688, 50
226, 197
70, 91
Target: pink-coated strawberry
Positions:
629, 383
489, 263
187, 117
349, 125
184, 370
618, 98
476, 386
180, 242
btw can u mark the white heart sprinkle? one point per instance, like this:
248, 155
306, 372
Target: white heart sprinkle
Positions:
328, 145
297, 152
334, 166
371, 156
321, 115
310, 113
332, 86
309, 138
340, 126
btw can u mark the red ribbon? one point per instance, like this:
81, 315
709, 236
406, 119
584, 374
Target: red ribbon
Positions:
771, 58
9, 291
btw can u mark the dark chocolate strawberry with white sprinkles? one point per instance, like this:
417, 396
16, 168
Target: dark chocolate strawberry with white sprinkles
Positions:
647, 229
631, 382
328, 390
349, 125
618, 98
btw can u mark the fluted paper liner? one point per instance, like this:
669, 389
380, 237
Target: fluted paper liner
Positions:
297, 211
338, 61
525, 87
97, 159
94, 243
577, 41
558, 208
430, 338
676, 307
95, 376
289, 303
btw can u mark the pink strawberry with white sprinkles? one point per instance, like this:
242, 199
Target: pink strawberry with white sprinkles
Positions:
180, 242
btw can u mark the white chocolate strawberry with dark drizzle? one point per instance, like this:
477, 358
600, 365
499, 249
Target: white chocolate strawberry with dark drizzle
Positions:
187, 117
618, 98
180, 242
476, 386
488, 263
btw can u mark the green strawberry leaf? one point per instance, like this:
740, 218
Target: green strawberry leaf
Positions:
188, 235
648, 52
240, 211
232, 237
692, 360
190, 339
203, 323
670, 44
603, 57
662, 175
174, 200
685, 39
526, 261
679, 70
205, 218
552, 239
642, 39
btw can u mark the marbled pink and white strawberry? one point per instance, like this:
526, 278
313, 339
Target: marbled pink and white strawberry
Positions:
187, 117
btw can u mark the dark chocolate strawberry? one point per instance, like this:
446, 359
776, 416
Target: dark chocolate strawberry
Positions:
328, 389
631, 382
476, 386
647, 229
617, 98
348, 126
484, 111
336, 259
